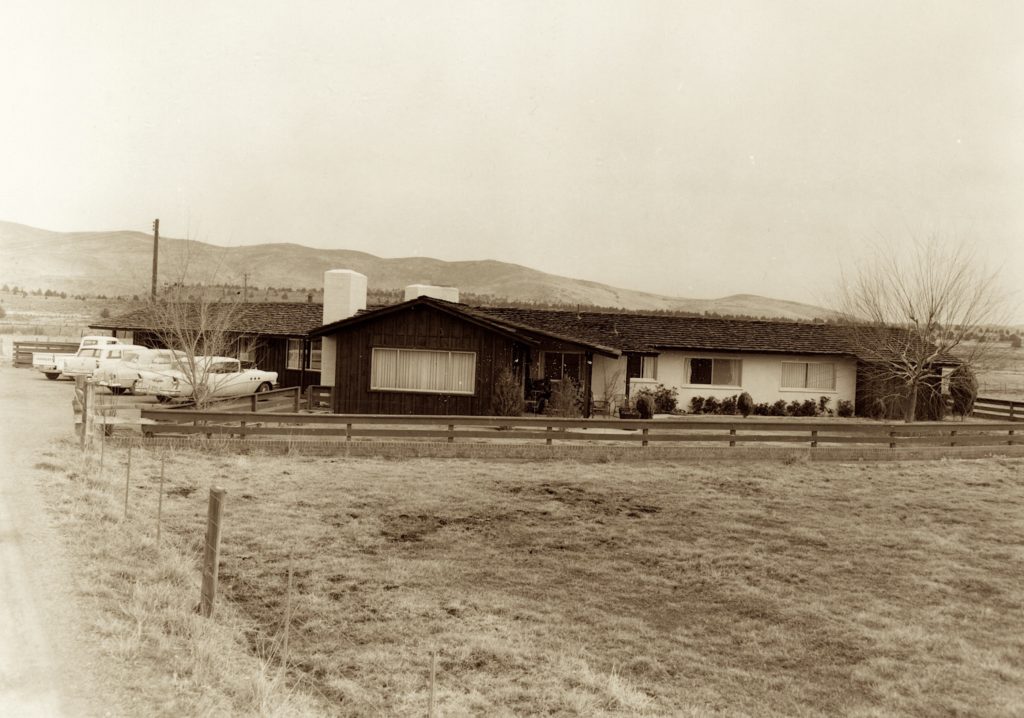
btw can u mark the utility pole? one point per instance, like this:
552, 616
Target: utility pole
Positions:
245, 288
156, 253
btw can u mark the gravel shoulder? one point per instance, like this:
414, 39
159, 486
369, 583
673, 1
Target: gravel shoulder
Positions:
48, 667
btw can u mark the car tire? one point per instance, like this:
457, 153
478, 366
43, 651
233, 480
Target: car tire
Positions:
162, 399
51, 375
117, 390
265, 386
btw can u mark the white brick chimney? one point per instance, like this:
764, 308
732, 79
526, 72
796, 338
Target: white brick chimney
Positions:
344, 295
449, 294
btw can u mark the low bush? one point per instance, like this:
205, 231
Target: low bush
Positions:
712, 406
665, 400
728, 406
778, 408
844, 408
697, 405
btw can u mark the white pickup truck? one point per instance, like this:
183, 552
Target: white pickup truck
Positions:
52, 365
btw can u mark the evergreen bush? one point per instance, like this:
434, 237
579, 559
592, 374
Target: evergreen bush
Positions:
745, 404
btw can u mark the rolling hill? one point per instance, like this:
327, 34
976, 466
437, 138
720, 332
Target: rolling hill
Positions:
120, 262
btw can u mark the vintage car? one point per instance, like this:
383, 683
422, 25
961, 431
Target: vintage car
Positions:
205, 378
89, 360
52, 365
121, 376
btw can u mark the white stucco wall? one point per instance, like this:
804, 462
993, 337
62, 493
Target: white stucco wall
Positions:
761, 377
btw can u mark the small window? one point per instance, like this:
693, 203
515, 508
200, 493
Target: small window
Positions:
89, 353
809, 375
713, 371
114, 354
648, 367
294, 354
315, 350
423, 370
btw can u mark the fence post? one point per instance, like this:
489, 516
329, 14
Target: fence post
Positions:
211, 554
952, 437
433, 674
295, 400
348, 432
252, 399
160, 502
814, 438
645, 434
88, 407
127, 480
1010, 442
548, 431
451, 433
892, 439
732, 433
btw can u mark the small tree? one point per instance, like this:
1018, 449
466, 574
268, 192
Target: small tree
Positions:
566, 400
910, 311
508, 394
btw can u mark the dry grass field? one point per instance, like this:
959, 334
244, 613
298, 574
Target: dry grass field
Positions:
570, 589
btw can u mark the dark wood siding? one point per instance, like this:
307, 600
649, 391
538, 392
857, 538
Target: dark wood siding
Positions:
418, 327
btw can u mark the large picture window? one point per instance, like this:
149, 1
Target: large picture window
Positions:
713, 371
809, 375
437, 372
562, 365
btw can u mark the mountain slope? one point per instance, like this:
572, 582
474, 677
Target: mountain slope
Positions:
119, 262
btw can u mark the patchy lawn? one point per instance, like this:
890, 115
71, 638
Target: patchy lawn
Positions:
599, 589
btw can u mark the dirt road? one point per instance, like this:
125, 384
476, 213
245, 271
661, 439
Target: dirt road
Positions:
47, 667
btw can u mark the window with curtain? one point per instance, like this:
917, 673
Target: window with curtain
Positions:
713, 371
809, 375
648, 367
315, 351
294, 354
425, 370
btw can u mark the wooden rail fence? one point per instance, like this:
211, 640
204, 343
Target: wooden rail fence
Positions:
22, 354
735, 432
1005, 409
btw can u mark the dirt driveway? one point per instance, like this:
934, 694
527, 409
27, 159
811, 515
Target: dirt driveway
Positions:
47, 666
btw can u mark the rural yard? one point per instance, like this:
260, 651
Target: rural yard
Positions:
542, 587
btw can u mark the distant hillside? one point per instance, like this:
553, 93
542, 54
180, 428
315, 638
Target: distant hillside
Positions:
119, 262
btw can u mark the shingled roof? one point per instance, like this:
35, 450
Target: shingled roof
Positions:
606, 332
649, 333
286, 319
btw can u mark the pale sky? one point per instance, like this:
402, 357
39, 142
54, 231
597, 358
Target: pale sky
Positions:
697, 149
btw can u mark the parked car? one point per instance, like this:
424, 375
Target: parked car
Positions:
52, 364
121, 376
212, 377
89, 359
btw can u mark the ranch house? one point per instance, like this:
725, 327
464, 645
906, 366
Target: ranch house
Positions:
433, 355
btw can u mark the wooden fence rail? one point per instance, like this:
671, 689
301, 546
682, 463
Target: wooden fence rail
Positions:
347, 427
22, 354
985, 408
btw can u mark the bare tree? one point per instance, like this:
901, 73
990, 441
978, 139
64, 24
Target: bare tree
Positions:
913, 310
196, 318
